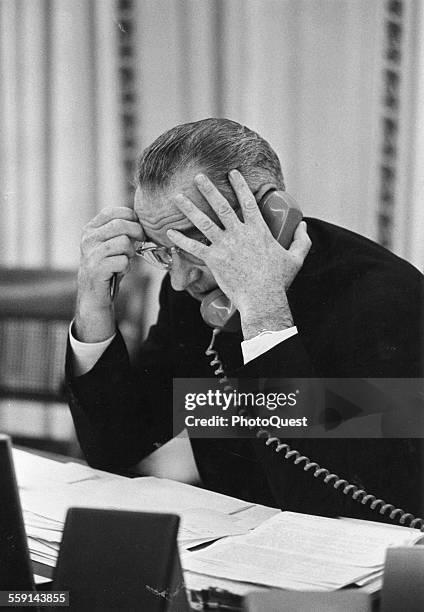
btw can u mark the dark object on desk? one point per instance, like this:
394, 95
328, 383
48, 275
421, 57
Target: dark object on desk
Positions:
288, 601
15, 566
403, 586
119, 560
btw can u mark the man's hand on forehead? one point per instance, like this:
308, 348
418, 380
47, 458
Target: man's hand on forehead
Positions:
249, 265
220, 206
107, 248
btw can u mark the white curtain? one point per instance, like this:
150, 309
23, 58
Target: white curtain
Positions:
87, 83
59, 120
414, 212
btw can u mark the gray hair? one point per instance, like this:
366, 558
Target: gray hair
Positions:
215, 146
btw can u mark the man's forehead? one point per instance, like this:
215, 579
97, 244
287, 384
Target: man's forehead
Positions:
157, 210
155, 213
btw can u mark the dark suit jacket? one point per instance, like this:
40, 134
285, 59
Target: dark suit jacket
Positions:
358, 309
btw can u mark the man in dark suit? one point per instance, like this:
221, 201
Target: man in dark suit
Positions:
341, 308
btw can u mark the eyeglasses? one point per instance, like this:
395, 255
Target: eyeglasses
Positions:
162, 257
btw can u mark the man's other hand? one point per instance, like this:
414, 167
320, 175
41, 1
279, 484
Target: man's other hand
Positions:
107, 247
249, 265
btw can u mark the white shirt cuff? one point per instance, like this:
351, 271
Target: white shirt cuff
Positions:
265, 341
86, 354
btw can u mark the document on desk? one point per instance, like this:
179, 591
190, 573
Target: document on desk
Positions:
300, 551
48, 489
33, 471
141, 494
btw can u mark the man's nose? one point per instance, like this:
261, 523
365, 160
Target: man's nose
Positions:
182, 272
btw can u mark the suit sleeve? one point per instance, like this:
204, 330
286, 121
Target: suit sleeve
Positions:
377, 333
121, 412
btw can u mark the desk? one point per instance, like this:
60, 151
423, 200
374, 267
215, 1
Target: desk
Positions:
33, 464
178, 497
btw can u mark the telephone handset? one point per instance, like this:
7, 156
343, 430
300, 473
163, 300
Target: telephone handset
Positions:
282, 215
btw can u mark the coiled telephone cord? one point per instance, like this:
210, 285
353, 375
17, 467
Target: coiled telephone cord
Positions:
360, 495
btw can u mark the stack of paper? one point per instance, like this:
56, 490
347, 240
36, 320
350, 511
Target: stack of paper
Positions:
36, 474
48, 489
303, 552
44, 538
259, 545
198, 526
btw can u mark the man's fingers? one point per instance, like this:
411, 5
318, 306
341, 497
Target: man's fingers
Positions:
188, 244
113, 212
301, 242
216, 201
116, 264
198, 218
119, 245
249, 206
119, 227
